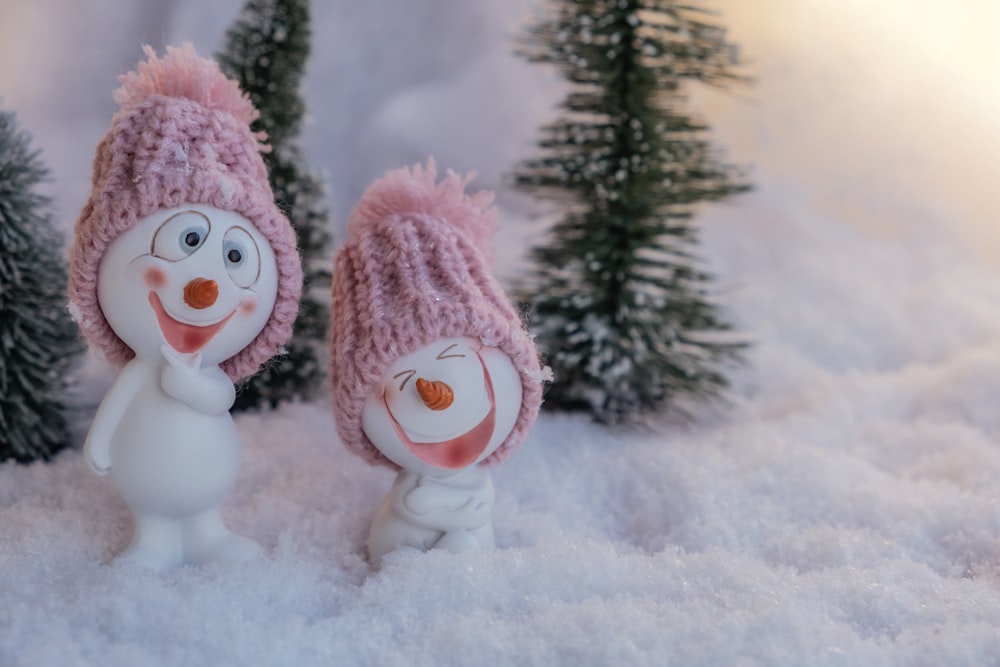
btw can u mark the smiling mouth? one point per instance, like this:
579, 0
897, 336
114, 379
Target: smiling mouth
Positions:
454, 453
185, 338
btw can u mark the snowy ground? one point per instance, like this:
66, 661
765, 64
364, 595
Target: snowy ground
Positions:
844, 510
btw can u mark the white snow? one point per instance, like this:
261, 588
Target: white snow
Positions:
844, 509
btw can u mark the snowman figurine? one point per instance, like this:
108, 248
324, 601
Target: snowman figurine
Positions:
186, 275
432, 370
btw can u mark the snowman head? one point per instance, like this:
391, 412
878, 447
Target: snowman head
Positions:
426, 348
200, 279
181, 225
444, 407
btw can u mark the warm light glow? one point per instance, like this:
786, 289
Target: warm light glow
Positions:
861, 102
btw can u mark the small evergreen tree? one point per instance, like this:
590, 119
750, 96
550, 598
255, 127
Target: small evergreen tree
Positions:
619, 304
266, 51
38, 341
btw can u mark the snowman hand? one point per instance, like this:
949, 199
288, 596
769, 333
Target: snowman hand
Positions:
476, 512
181, 361
99, 464
208, 391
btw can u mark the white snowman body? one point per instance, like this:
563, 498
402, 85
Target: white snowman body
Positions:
185, 289
440, 412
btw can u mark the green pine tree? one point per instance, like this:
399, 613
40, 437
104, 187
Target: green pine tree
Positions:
266, 51
39, 342
619, 303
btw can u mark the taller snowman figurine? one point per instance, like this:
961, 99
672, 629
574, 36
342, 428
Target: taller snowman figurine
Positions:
432, 370
186, 275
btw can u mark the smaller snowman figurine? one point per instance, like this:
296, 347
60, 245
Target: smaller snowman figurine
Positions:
186, 275
432, 370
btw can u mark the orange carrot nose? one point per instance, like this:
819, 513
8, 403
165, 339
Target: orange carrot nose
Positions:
436, 395
201, 293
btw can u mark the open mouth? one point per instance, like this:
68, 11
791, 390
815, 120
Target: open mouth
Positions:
185, 338
458, 452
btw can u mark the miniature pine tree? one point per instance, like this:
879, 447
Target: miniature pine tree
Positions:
38, 340
619, 304
266, 51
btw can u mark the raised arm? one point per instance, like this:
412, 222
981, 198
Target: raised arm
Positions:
207, 390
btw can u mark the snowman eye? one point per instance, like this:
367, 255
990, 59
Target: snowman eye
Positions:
180, 235
191, 240
444, 354
408, 375
242, 257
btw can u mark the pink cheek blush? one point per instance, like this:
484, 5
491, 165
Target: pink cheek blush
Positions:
155, 277
248, 306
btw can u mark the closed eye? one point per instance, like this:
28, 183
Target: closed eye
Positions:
444, 353
408, 375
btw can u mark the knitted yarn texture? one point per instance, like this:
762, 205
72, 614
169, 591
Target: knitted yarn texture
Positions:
181, 136
414, 269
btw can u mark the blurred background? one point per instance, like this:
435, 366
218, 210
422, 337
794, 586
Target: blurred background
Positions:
388, 84
871, 128
859, 108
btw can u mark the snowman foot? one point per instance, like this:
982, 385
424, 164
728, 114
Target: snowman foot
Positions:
458, 541
207, 540
156, 543
228, 548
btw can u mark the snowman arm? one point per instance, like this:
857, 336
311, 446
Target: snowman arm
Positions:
412, 506
433, 498
207, 390
445, 507
97, 446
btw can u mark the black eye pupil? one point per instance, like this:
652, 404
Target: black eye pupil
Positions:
192, 239
234, 256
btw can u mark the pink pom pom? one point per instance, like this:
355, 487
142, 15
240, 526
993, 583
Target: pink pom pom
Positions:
413, 190
183, 73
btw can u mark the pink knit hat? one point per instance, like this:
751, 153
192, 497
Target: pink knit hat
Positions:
182, 136
415, 269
